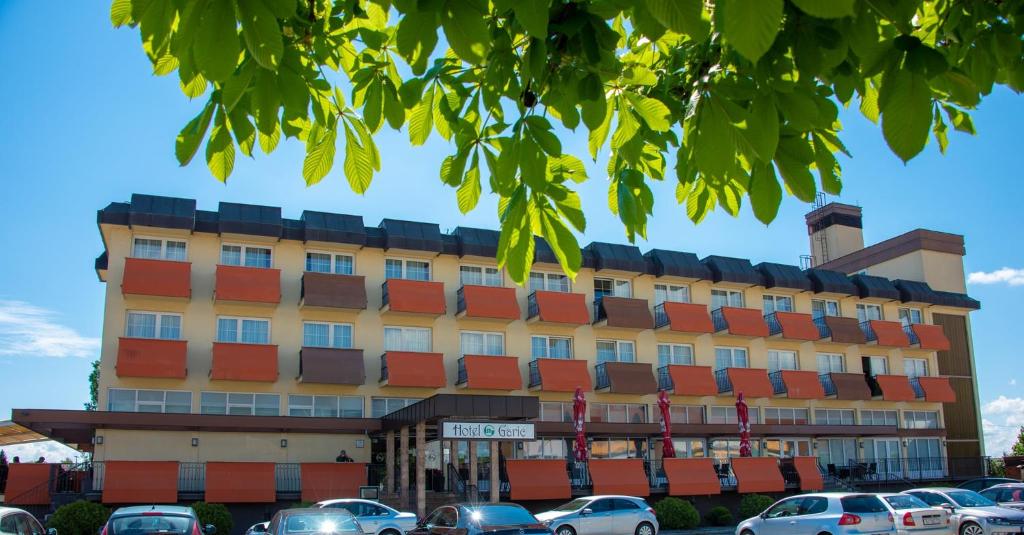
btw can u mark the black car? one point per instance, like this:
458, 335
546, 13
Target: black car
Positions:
314, 521
155, 520
479, 518
979, 484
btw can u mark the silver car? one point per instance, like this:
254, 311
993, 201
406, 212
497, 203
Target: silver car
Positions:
259, 528
830, 512
375, 518
602, 515
971, 513
18, 521
1006, 495
914, 517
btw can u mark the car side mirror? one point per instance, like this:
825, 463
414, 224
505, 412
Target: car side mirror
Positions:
51, 531
949, 507
587, 511
210, 529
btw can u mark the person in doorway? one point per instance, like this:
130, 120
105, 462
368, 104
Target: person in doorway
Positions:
343, 457
16, 460
41, 460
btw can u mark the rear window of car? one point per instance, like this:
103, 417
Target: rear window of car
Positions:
501, 515
862, 504
905, 502
334, 522
143, 525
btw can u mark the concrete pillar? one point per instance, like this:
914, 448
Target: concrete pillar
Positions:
472, 467
389, 463
403, 481
495, 472
421, 469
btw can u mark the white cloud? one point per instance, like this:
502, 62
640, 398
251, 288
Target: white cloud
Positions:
28, 330
1011, 276
51, 450
1001, 421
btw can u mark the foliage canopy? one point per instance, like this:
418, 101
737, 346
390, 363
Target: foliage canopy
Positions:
740, 97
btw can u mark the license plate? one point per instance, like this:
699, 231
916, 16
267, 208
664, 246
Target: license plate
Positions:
931, 521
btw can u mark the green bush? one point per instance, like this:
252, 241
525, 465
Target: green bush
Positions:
79, 518
754, 504
213, 513
719, 516
674, 513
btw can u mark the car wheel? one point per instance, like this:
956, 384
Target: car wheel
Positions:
645, 528
970, 528
565, 530
747, 532
389, 532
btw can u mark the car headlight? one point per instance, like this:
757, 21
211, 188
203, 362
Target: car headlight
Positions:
547, 522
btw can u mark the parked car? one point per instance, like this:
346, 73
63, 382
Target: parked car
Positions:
314, 520
981, 483
375, 518
831, 512
1006, 495
20, 522
257, 529
155, 519
477, 519
601, 515
914, 517
971, 513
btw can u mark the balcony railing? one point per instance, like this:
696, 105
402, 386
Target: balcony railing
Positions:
869, 333
916, 385
774, 327
723, 381
824, 331
384, 298
660, 316
532, 310
463, 376
718, 320
665, 379
384, 367
911, 335
192, 477
827, 384
460, 300
778, 385
602, 376
534, 373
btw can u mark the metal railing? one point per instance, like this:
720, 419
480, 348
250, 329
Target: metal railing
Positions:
718, 320
906, 469
869, 333
827, 384
534, 374
191, 477
463, 375
774, 327
915, 383
824, 331
911, 335
665, 379
384, 298
778, 385
460, 300
384, 367
660, 316
603, 381
532, 310
288, 477
723, 381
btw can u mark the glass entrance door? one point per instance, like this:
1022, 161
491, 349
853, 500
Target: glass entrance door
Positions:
882, 456
924, 458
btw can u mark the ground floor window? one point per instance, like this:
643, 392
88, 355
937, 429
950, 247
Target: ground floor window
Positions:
835, 452
325, 406
618, 448
721, 449
381, 406
240, 403
787, 447
685, 447
547, 448
166, 401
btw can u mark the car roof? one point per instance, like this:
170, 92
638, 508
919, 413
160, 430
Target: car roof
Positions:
312, 510
936, 489
1007, 485
611, 496
8, 510
348, 500
167, 509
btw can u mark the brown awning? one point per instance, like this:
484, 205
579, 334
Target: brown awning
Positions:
490, 372
752, 382
627, 313
796, 326
160, 278
889, 333
619, 476
140, 482
930, 337
150, 357
563, 375
802, 384
247, 284
691, 477
692, 380
744, 321
850, 386
561, 307
490, 302
630, 378
240, 482
937, 389
757, 474
244, 362
28, 483
895, 387
688, 318
809, 474
333, 290
410, 368
331, 366
324, 481
538, 480
845, 330
416, 297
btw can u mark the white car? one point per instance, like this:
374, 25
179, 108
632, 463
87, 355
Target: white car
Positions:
258, 528
375, 518
835, 513
18, 521
914, 517
972, 513
602, 515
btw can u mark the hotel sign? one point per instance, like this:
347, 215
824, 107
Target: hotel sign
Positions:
454, 430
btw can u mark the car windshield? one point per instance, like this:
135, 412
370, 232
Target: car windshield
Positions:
151, 523
969, 498
320, 523
574, 505
501, 515
905, 501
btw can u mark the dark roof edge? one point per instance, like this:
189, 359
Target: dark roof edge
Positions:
915, 240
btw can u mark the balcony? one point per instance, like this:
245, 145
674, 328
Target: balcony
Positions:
845, 386
796, 384
622, 313
328, 290
332, 366
684, 380
792, 326
413, 297
559, 375
557, 308
930, 337
412, 369
147, 357
751, 382
488, 372
247, 284
884, 333
487, 302
244, 362
933, 389
891, 387
746, 322
683, 317
157, 278
839, 330
625, 378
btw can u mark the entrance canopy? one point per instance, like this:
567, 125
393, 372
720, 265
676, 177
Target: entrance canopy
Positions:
443, 406
12, 434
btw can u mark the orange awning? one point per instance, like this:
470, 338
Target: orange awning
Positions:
691, 477
492, 372
562, 375
890, 333
162, 278
562, 307
409, 368
538, 480
930, 337
796, 326
28, 484
692, 380
802, 385
895, 387
810, 475
325, 481
140, 482
619, 476
688, 318
757, 474
745, 321
249, 284
490, 302
937, 389
752, 382
418, 297
244, 362
240, 482
146, 357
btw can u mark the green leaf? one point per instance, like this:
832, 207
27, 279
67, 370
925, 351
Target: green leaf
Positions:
826, 9
750, 25
793, 159
468, 194
373, 106
394, 112
599, 134
906, 106
244, 131
567, 202
233, 89
765, 193
567, 166
220, 149
217, 46
652, 111
262, 33
533, 15
120, 12
282, 9
421, 118
683, 16
714, 148
960, 120
188, 140
465, 25
416, 37
358, 165
540, 129
761, 128
320, 157
452, 168
562, 242
828, 167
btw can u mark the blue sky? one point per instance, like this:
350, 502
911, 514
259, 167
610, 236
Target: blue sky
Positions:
86, 124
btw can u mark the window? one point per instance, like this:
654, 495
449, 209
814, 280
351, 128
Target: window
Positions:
482, 343
159, 249
727, 415
550, 448
824, 307
836, 452
875, 365
326, 406
618, 413
782, 360
480, 276
688, 447
321, 334
777, 303
675, 354
785, 416
920, 419
730, 357
831, 363
342, 264
915, 367
874, 417
867, 312
166, 401
615, 448
240, 403
552, 282
686, 414
555, 411
397, 268
726, 298
612, 287
243, 330
833, 417
382, 406
911, 315
615, 351
721, 450
551, 347
153, 325
671, 293
407, 339
245, 255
